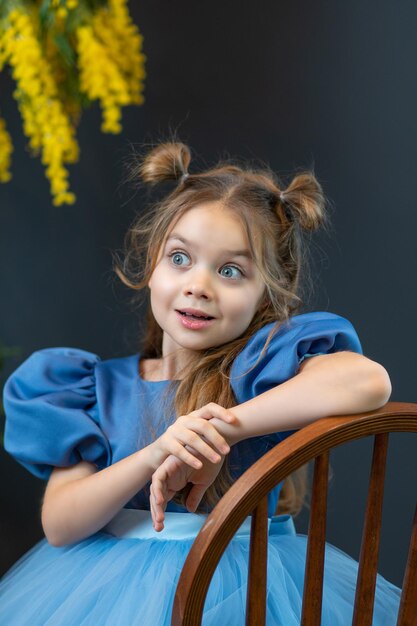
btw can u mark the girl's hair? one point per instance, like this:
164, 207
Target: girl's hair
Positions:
273, 218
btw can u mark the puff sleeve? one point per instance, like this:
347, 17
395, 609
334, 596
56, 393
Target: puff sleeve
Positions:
302, 336
51, 412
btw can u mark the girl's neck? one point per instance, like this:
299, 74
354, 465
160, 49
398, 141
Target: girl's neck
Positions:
154, 370
149, 369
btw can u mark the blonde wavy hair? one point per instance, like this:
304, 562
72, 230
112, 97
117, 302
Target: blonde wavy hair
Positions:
273, 218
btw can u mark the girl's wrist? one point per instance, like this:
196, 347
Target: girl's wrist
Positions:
231, 432
155, 456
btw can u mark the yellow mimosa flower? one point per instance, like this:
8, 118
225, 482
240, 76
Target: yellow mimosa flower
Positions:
45, 122
61, 56
6, 149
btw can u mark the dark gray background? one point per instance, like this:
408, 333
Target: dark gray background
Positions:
330, 84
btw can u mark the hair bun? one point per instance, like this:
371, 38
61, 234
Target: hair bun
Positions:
167, 161
305, 198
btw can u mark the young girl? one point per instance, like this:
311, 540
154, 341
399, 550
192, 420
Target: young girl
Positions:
136, 450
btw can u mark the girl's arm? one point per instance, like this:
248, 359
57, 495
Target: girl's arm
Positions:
79, 500
332, 384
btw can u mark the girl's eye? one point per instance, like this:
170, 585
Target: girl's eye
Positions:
176, 257
229, 269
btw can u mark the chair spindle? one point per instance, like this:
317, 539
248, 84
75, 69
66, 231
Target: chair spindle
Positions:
256, 592
407, 615
368, 560
314, 570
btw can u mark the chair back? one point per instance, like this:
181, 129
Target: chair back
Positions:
249, 496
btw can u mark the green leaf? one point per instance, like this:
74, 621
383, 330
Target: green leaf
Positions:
46, 16
65, 49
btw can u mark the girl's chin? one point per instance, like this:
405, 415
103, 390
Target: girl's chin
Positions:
180, 337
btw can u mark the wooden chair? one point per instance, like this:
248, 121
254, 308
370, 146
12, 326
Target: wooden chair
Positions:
248, 496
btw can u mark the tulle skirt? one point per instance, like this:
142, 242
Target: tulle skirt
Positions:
126, 575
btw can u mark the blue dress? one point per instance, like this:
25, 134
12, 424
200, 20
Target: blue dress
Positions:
64, 405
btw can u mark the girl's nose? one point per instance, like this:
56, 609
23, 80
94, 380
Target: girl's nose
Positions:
199, 285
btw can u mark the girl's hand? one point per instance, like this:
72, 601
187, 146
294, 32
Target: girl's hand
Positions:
194, 431
172, 476
169, 478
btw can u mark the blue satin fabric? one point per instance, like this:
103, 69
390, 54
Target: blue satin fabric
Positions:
64, 405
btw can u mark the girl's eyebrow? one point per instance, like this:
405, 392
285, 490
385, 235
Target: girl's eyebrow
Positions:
244, 253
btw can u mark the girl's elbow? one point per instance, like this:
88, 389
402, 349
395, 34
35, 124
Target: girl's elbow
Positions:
53, 537
380, 387
56, 543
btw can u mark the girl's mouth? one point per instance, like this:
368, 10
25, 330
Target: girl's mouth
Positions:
193, 322
196, 315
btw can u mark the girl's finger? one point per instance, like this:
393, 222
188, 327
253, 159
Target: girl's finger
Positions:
210, 434
155, 523
178, 450
157, 490
154, 506
194, 497
215, 410
157, 516
189, 437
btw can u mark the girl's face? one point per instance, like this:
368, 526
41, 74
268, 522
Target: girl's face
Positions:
204, 267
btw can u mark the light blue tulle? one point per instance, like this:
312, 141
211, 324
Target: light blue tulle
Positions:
130, 580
